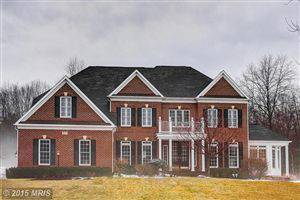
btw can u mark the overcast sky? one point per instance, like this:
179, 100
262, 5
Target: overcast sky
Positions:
39, 38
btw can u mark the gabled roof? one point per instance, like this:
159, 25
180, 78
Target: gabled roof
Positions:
97, 82
47, 95
258, 132
134, 74
224, 75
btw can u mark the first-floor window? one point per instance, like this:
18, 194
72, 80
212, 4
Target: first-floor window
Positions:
212, 118
84, 152
214, 155
233, 157
146, 151
44, 152
126, 151
258, 152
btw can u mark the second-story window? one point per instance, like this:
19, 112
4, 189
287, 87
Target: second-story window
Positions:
125, 116
146, 117
65, 107
232, 118
212, 118
180, 117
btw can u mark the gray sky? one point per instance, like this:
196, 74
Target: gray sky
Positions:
40, 37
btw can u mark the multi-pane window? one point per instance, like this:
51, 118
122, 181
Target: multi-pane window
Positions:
233, 157
125, 116
146, 117
258, 152
275, 157
165, 153
146, 151
65, 107
84, 152
212, 118
214, 155
180, 117
126, 151
44, 152
184, 153
232, 118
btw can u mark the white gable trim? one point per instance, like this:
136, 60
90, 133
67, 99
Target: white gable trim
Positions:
129, 78
57, 86
66, 127
224, 75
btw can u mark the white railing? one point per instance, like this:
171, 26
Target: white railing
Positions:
191, 127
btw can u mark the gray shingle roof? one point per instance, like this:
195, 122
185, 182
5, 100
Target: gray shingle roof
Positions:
97, 82
258, 132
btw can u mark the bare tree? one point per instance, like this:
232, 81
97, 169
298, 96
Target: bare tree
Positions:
292, 25
267, 81
74, 66
15, 100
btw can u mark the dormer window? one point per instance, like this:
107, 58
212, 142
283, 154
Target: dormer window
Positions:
65, 107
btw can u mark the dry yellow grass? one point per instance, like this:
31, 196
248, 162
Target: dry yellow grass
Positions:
167, 188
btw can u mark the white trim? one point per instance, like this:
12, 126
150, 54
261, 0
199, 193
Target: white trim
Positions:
90, 153
66, 106
125, 143
146, 143
224, 75
237, 155
65, 127
129, 78
179, 99
39, 156
268, 142
55, 88
147, 112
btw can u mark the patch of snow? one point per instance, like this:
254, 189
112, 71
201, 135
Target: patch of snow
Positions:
295, 181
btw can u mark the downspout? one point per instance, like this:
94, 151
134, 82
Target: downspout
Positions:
17, 153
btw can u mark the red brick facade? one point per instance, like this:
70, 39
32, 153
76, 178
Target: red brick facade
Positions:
105, 140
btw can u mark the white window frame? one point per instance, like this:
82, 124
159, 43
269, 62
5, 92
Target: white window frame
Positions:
146, 143
147, 123
127, 120
235, 145
175, 123
231, 118
210, 119
90, 153
65, 98
215, 144
125, 143
40, 151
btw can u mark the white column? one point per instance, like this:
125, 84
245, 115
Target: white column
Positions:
170, 154
287, 170
193, 156
170, 125
203, 156
159, 149
269, 159
193, 125
159, 124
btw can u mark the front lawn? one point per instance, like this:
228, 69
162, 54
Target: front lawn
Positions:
166, 188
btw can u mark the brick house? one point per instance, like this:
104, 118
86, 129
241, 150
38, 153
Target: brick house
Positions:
102, 114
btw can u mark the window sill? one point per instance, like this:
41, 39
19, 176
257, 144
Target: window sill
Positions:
233, 167
213, 167
84, 164
125, 126
44, 164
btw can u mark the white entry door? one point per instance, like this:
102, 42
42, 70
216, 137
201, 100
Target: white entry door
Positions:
276, 161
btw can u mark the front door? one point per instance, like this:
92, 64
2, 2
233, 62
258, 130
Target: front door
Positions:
276, 161
180, 154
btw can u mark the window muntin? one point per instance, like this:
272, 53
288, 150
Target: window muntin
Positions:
84, 152
44, 151
214, 160
232, 118
126, 151
146, 151
179, 117
233, 157
165, 153
146, 117
212, 118
258, 152
65, 107
125, 116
